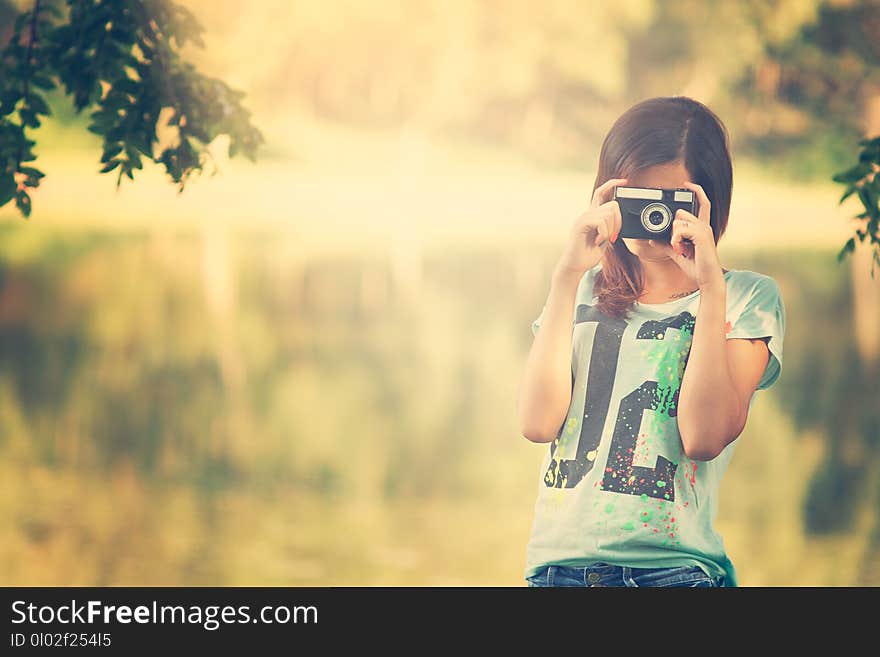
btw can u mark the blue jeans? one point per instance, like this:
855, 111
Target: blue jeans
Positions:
604, 574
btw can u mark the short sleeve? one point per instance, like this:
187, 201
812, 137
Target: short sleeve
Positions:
582, 295
762, 315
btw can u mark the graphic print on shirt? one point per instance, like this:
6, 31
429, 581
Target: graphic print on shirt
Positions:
667, 352
567, 473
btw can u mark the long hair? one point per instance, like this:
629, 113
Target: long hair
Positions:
658, 131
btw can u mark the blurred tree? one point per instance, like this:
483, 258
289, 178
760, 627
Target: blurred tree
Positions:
863, 181
531, 75
706, 50
8, 11
822, 79
828, 75
119, 57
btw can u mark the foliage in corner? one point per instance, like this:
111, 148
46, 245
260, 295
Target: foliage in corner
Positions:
119, 58
863, 181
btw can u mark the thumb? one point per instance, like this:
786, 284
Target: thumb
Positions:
668, 249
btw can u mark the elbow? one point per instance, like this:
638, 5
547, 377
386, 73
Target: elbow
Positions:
537, 434
706, 448
703, 445
700, 451
537, 427
700, 446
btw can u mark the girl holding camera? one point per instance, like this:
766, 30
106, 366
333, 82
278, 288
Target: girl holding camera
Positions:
646, 358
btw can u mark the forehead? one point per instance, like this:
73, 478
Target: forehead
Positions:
669, 175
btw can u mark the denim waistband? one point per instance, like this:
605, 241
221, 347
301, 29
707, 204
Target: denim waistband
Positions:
605, 574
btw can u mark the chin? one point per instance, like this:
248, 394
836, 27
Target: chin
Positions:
641, 247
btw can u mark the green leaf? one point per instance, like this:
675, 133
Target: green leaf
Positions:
139, 141
120, 34
110, 166
854, 174
128, 86
94, 93
38, 105
869, 155
23, 203
115, 134
847, 248
111, 152
29, 118
134, 159
43, 81
7, 188
869, 199
31, 172
8, 101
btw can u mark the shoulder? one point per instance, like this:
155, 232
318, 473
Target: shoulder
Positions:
745, 284
585, 289
586, 286
755, 307
755, 310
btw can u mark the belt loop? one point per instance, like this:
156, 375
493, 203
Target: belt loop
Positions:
627, 577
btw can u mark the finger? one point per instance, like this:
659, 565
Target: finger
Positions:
680, 247
604, 234
589, 221
675, 242
702, 199
681, 227
684, 214
615, 221
603, 191
692, 227
669, 249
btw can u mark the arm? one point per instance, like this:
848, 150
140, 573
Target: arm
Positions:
721, 374
545, 388
719, 379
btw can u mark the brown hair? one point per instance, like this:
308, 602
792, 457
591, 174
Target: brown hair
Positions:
658, 131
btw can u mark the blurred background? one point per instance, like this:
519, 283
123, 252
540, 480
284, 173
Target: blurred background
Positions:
303, 371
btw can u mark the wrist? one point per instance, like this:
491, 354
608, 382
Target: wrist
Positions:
713, 301
565, 277
715, 285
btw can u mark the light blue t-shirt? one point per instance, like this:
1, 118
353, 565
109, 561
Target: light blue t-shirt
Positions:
615, 485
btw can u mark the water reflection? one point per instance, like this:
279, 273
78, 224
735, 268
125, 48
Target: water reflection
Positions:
188, 410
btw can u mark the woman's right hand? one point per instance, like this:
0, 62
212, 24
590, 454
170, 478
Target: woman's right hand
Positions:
592, 231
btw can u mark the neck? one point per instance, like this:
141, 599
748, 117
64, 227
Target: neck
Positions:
662, 273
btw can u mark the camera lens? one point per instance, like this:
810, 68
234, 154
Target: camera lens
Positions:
656, 217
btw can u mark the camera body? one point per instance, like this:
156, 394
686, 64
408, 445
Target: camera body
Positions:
647, 212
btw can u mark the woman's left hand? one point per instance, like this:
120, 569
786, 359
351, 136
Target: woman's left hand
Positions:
693, 243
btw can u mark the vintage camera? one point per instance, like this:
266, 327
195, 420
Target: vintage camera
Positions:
647, 212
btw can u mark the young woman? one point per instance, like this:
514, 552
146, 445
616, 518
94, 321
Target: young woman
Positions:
646, 358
